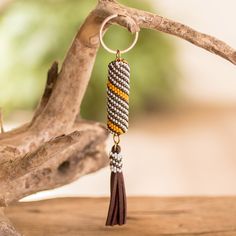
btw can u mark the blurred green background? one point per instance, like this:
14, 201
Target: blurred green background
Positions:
35, 33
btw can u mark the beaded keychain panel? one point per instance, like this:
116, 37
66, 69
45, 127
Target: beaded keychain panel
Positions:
118, 97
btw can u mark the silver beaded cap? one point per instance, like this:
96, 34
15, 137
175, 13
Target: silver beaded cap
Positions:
116, 162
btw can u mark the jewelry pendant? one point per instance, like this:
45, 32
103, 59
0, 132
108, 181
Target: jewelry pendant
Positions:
117, 123
118, 87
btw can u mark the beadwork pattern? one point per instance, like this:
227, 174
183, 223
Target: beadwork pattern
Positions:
118, 97
116, 162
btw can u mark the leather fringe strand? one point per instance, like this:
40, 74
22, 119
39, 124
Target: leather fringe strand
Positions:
118, 206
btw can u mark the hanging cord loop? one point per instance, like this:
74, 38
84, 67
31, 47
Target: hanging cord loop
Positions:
116, 139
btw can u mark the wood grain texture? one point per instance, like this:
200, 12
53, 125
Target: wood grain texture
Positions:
58, 114
146, 217
7, 229
59, 111
136, 19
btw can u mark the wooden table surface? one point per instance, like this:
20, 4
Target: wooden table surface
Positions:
146, 217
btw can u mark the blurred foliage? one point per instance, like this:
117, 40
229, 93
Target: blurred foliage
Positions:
35, 33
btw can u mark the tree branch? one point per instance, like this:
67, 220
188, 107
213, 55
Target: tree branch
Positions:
6, 227
50, 85
55, 163
64, 91
155, 22
56, 147
63, 106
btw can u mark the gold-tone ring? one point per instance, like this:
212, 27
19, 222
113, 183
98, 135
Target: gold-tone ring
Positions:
105, 46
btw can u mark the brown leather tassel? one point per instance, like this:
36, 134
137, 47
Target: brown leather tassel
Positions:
118, 206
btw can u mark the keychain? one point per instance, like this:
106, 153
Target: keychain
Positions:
118, 87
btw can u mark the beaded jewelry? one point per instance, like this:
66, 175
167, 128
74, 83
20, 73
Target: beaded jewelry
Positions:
118, 87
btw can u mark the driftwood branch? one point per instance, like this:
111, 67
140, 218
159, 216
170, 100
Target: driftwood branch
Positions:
57, 162
50, 85
57, 147
6, 227
155, 22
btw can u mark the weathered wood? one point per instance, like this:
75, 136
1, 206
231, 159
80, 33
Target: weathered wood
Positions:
147, 217
155, 22
7, 229
63, 160
60, 106
50, 85
58, 114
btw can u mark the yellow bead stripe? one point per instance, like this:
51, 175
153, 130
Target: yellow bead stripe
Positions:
118, 91
114, 128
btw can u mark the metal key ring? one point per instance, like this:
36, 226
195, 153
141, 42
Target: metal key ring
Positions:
104, 45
